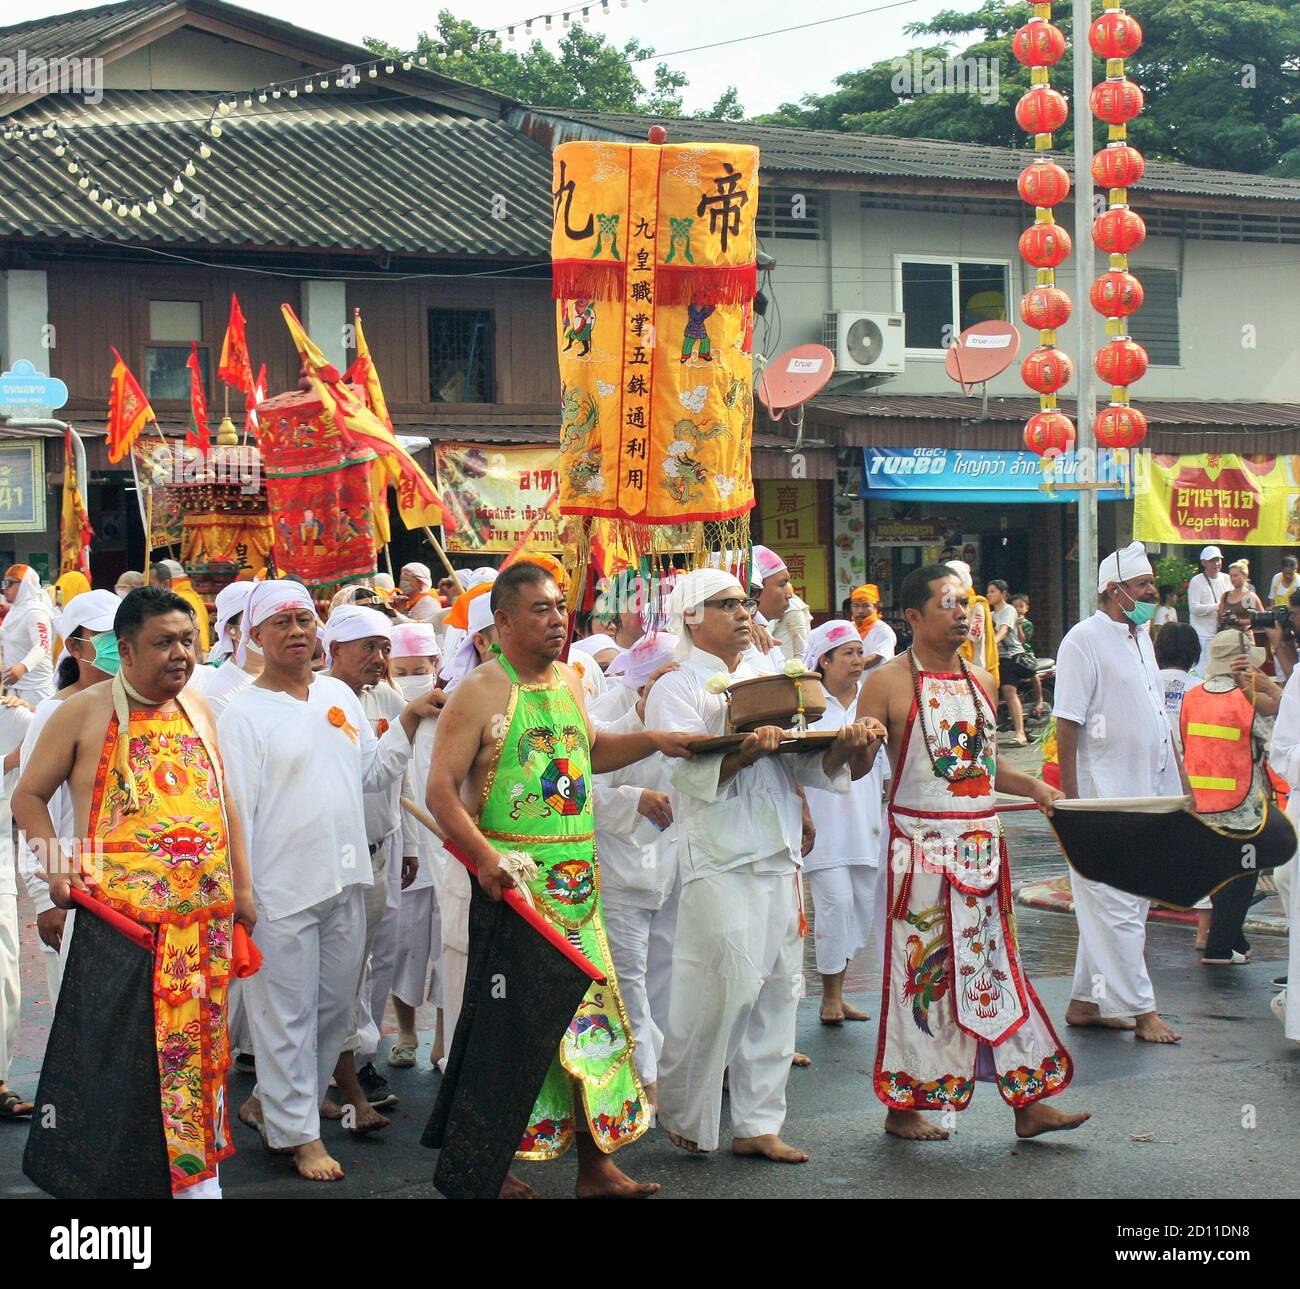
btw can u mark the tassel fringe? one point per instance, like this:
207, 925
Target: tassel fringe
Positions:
699, 284
587, 279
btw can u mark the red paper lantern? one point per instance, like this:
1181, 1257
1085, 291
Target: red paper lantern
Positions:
1116, 294
1045, 308
1043, 183
1116, 101
1120, 426
1119, 231
1115, 34
1118, 166
1045, 245
1038, 44
1049, 432
1121, 362
1046, 370
1042, 110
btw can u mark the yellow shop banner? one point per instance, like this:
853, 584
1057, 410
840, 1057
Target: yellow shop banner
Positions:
1217, 497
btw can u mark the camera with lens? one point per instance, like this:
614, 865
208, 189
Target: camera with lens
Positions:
1276, 617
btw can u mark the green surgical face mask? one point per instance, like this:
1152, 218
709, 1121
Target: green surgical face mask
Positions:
1141, 612
106, 655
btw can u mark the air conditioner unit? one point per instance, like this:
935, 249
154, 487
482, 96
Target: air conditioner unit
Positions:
865, 342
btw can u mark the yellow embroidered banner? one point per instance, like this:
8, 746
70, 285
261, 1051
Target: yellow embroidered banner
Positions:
654, 276
1217, 497
497, 495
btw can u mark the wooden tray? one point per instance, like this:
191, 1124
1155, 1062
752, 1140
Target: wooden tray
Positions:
813, 741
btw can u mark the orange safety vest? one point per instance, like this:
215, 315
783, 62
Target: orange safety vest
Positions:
1216, 747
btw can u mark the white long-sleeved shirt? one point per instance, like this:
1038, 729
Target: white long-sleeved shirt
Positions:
1108, 684
433, 858
848, 827
638, 860
223, 684
753, 820
298, 781
27, 637
1203, 596
792, 631
14, 722
1284, 746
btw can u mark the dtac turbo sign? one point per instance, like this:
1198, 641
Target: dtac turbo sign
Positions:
973, 475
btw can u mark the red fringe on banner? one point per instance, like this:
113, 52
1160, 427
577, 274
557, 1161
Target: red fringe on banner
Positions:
587, 279
692, 284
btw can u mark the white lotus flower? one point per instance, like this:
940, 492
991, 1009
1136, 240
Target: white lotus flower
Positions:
793, 667
718, 683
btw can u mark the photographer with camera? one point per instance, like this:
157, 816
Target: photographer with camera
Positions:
1239, 596
1226, 724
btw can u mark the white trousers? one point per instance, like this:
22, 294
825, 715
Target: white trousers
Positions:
210, 1189
641, 943
454, 893
241, 1032
1109, 967
377, 984
300, 1006
375, 903
1291, 904
736, 983
844, 900
53, 959
418, 976
1206, 641
11, 994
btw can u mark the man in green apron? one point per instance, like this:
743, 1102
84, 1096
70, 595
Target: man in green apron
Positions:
513, 774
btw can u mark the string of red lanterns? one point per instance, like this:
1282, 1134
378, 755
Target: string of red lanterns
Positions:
1117, 294
1045, 244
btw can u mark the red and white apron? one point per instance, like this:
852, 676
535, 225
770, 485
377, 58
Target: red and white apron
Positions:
956, 1003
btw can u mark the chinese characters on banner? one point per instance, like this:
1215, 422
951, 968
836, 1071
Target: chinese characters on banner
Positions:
654, 277
790, 517
498, 495
1213, 497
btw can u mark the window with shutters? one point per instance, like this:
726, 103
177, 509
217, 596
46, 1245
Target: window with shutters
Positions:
1155, 325
789, 214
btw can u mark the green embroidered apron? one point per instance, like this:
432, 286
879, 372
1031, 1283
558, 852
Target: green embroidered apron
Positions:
538, 799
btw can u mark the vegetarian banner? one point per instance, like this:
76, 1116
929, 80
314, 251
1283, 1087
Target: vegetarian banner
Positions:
1217, 497
496, 495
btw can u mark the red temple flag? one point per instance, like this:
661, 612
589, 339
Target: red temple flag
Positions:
236, 368
199, 435
128, 410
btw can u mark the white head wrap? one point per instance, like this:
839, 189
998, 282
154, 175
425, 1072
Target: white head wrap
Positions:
265, 601
466, 658
1122, 565
383, 582
688, 594
354, 622
230, 603
415, 640
30, 599
594, 645
420, 572
828, 636
93, 610
765, 563
636, 665
962, 569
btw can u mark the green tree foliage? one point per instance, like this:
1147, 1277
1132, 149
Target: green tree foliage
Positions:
1222, 81
587, 72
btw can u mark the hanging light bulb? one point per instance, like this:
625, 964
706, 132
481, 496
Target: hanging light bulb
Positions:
223, 107
248, 101
306, 89
510, 34
293, 92
564, 20
178, 184
372, 72
406, 64
151, 206
59, 149
204, 151
191, 169
168, 199
73, 167
215, 130
442, 55
50, 132
388, 69
275, 93
136, 211
107, 203
325, 82
84, 183
586, 15
423, 60
261, 98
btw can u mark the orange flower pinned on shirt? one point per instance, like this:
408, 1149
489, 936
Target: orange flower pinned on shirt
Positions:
381, 727
339, 719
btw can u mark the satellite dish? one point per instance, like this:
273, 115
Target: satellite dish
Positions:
864, 341
981, 352
794, 377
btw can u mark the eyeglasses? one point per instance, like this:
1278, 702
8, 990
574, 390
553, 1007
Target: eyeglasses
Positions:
730, 604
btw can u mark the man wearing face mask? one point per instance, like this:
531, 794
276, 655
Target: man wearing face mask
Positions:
1114, 741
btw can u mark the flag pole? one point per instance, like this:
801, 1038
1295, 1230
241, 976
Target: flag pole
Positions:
442, 555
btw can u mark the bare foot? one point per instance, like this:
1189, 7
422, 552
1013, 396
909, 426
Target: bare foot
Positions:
513, 1188
800, 1060
768, 1146
601, 1179
652, 1096
838, 1015
686, 1144
250, 1114
316, 1164
362, 1118
909, 1125
328, 1110
1084, 1014
1151, 1029
1036, 1119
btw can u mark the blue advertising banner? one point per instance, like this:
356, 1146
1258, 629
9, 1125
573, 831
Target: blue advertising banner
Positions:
973, 475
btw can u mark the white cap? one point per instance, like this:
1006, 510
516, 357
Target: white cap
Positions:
1211, 552
93, 610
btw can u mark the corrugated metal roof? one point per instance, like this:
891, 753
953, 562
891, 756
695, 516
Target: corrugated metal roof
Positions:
69, 35
337, 173
1165, 412
828, 152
